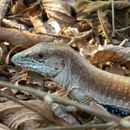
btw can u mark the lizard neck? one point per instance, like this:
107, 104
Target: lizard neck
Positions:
79, 77
72, 77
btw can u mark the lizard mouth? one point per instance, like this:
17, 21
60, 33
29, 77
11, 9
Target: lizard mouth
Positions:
22, 64
35, 66
30, 66
27, 63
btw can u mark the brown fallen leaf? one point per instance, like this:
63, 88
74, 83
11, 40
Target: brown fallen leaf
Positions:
82, 26
61, 112
3, 127
51, 86
3, 8
19, 6
69, 31
14, 49
115, 68
58, 13
71, 2
35, 15
35, 78
99, 15
102, 56
7, 91
28, 78
3, 52
25, 39
13, 24
110, 53
17, 117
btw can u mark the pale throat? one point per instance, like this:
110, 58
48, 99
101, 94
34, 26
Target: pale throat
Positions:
69, 80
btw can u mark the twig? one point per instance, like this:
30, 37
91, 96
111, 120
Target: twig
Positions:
113, 18
56, 35
58, 99
123, 29
123, 42
84, 35
72, 39
44, 115
81, 37
81, 127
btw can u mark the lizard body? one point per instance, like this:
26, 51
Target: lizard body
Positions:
75, 74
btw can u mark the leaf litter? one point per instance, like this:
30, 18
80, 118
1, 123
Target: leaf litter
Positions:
26, 23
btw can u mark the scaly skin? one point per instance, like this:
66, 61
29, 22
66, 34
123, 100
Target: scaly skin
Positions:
75, 74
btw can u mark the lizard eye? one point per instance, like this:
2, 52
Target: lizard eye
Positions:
40, 57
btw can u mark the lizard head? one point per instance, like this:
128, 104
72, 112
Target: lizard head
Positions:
44, 58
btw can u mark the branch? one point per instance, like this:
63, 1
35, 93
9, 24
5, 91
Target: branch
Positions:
73, 38
81, 127
113, 18
123, 29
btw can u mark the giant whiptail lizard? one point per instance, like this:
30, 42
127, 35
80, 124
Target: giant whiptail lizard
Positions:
80, 78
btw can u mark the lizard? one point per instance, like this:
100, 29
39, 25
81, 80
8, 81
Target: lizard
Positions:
77, 75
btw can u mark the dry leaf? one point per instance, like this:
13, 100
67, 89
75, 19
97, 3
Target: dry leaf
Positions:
19, 6
102, 56
82, 26
115, 68
28, 78
98, 14
110, 53
35, 78
62, 93
3, 52
13, 24
35, 16
51, 86
3, 127
58, 13
60, 112
25, 39
3, 8
18, 117
7, 90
